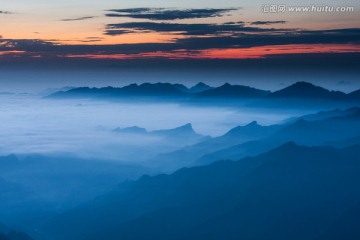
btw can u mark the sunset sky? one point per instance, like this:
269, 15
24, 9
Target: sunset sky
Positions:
173, 29
53, 43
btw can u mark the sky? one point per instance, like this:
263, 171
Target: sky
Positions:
244, 35
46, 45
173, 29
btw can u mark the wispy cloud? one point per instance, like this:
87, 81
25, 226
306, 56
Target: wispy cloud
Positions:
168, 14
183, 29
5, 12
267, 22
91, 39
274, 37
77, 19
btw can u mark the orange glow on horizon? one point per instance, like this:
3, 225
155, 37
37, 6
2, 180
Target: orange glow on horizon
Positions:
15, 52
238, 53
233, 53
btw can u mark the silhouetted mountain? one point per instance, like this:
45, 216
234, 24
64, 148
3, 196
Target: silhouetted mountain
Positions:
133, 130
163, 90
17, 201
181, 87
322, 115
298, 95
232, 91
305, 90
187, 155
180, 136
304, 95
156, 90
183, 134
135, 140
291, 192
251, 131
318, 132
354, 95
182, 130
302, 132
36, 187
200, 87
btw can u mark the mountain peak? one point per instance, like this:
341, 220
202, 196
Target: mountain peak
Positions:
246, 129
252, 124
201, 84
305, 90
133, 129
199, 87
226, 85
186, 127
303, 84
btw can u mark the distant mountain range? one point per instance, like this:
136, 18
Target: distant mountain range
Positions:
186, 131
306, 95
232, 91
291, 192
300, 93
294, 180
322, 115
316, 130
238, 135
303, 90
159, 90
34, 187
336, 126
169, 139
199, 87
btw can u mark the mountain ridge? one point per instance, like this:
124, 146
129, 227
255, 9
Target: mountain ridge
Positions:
209, 195
300, 94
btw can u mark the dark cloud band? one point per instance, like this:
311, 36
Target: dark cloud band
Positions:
77, 19
194, 43
267, 22
183, 29
5, 12
167, 14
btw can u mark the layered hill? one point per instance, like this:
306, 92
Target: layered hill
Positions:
291, 192
299, 95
